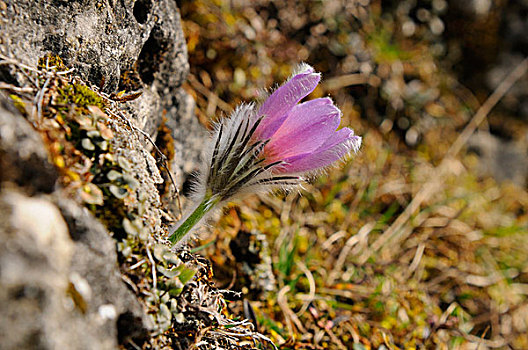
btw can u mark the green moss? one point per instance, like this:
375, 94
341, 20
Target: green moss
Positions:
50, 60
19, 104
386, 48
80, 95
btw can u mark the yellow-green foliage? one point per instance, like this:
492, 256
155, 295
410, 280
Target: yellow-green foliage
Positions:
80, 95
19, 103
49, 61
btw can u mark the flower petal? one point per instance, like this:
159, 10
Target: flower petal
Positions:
307, 127
279, 104
334, 148
306, 114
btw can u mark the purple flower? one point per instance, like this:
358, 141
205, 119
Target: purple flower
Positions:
274, 145
303, 136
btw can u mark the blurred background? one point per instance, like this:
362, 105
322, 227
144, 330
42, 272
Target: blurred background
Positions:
420, 240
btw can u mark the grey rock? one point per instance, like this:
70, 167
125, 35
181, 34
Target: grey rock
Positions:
23, 158
101, 40
111, 308
186, 154
36, 311
505, 161
60, 282
141, 168
57, 293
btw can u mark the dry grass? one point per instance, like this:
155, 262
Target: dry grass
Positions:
403, 247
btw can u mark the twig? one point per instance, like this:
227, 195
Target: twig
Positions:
352, 291
21, 90
342, 81
482, 336
417, 258
435, 182
334, 338
350, 243
128, 281
329, 242
40, 98
7, 60
209, 94
134, 345
65, 72
491, 343
311, 283
387, 341
154, 276
136, 265
289, 315
22, 68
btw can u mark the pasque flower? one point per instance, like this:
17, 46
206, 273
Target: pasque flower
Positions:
278, 144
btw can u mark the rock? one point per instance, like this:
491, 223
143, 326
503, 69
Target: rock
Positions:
101, 39
57, 293
116, 45
505, 161
186, 155
48, 299
110, 307
23, 158
35, 253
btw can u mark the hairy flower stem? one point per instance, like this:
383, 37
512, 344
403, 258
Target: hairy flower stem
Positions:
203, 208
